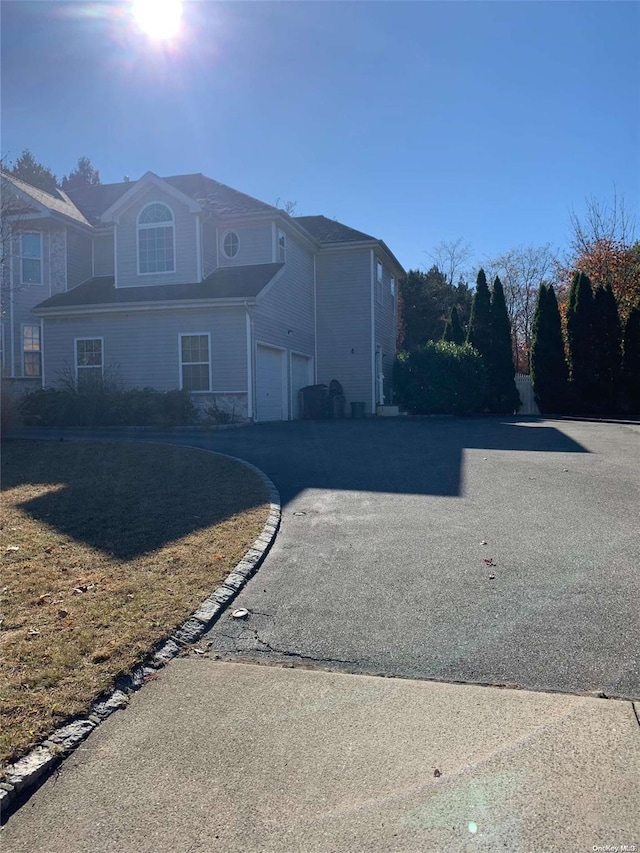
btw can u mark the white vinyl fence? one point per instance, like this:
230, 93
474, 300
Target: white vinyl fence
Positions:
525, 389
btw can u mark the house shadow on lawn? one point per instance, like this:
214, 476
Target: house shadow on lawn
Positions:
127, 499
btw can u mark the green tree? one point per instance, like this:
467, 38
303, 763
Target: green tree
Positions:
631, 363
28, 169
503, 394
453, 331
580, 338
607, 350
549, 371
479, 331
426, 299
84, 175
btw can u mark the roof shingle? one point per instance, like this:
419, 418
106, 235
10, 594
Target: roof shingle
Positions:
224, 283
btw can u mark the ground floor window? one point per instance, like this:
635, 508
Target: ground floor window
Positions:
31, 351
89, 359
195, 363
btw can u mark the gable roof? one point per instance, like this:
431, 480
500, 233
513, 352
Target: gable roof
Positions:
331, 231
216, 197
59, 203
242, 282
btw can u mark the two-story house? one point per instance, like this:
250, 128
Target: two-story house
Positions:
183, 282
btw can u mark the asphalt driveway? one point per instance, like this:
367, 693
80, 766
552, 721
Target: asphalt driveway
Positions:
481, 550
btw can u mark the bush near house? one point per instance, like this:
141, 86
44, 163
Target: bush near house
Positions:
98, 404
441, 378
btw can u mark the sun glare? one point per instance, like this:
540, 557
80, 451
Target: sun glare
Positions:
158, 19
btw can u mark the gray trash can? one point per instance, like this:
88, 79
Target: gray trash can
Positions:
357, 410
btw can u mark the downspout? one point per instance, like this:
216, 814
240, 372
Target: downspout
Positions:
250, 370
42, 350
315, 323
373, 334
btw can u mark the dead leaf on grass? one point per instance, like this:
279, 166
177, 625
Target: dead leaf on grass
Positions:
42, 599
12, 548
63, 613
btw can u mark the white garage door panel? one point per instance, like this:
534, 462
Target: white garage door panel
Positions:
300, 378
269, 384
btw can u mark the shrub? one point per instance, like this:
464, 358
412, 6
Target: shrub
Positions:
8, 408
99, 404
549, 371
441, 378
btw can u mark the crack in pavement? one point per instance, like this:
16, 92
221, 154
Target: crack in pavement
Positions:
267, 647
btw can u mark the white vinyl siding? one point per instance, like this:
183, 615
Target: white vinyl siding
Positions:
141, 348
344, 322
79, 264
254, 244
103, 258
195, 362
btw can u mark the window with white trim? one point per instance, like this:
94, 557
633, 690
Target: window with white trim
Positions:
89, 360
195, 364
282, 246
31, 258
392, 289
379, 281
31, 351
230, 244
156, 238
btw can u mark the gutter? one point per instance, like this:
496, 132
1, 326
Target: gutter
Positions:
127, 307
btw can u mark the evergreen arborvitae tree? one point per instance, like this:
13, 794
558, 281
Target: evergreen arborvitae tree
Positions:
607, 351
631, 363
580, 335
479, 333
549, 371
503, 394
453, 331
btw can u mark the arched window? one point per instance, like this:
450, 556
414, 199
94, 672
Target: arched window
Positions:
156, 239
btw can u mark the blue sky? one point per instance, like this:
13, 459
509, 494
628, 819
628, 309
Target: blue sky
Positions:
414, 122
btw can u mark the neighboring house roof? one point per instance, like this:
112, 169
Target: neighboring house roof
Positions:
330, 231
217, 197
243, 282
58, 203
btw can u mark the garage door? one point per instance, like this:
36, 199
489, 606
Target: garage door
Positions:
270, 385
301, 375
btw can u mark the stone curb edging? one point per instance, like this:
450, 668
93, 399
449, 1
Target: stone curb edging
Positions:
29, 772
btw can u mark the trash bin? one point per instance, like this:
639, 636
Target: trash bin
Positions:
357, 410
337, 400
315, 401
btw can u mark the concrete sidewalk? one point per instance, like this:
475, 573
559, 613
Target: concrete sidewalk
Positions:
218, 756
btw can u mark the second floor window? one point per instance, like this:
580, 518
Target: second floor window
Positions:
31, 351
282, 247
379, 281
31, 258
156, 239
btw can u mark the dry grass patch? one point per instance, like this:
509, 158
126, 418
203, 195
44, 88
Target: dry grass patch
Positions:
105, 549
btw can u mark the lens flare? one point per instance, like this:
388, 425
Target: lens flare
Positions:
158, 19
